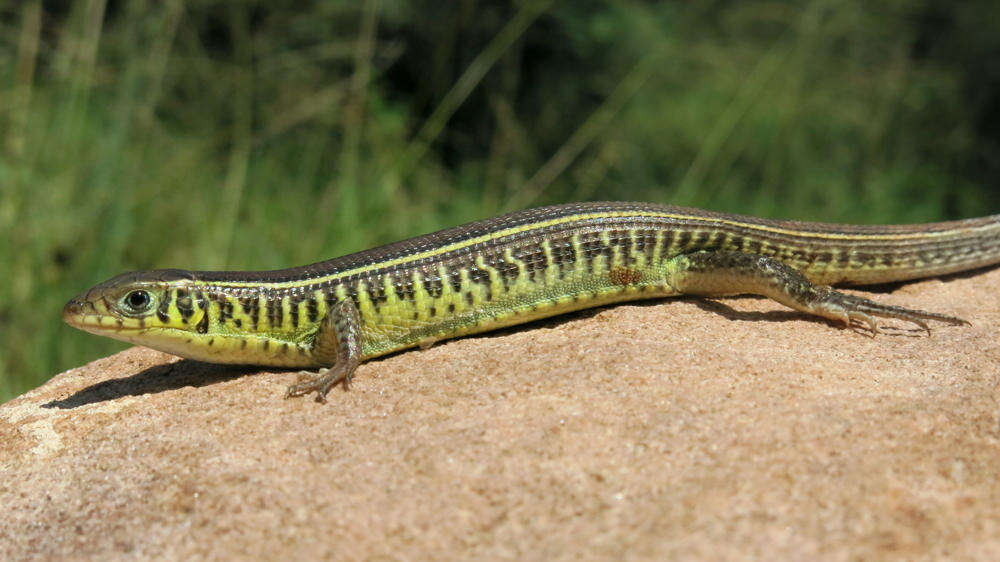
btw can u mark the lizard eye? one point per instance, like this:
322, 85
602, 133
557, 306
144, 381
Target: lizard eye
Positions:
137, 301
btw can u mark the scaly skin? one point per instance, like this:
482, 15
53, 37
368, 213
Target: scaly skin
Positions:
517, 268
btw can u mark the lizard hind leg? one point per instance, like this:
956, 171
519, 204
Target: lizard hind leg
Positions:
337, 343
720, 273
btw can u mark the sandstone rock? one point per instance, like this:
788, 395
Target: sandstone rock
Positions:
679, 428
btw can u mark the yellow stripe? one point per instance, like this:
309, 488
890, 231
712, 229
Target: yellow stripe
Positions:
586, 216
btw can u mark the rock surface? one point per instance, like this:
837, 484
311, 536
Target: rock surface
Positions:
678, 428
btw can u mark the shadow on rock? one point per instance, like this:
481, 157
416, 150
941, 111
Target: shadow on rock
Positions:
154, 379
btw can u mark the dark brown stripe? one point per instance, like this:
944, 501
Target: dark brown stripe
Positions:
184, 305
455, 279
403, 284
163, 311
312, 309
293, 303
202, 327
508, 272
376, 292
683, 241
433, 284
666, 243
275, 312
482, 278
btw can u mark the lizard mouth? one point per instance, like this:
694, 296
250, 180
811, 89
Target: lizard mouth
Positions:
81, 313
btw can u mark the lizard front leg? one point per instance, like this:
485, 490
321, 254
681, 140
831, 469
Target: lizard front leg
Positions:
337, 343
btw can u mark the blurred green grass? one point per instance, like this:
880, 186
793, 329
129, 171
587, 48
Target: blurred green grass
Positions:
255, 135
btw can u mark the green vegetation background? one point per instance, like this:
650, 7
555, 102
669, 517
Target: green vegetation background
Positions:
142, 134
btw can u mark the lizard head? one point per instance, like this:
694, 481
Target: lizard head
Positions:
139, 307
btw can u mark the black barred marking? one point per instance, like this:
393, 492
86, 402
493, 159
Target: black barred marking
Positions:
312, 309
649, 244
824, 258
275, 312
532, 255
700, 240
211, 342
666, 243
251, 307
433, 284
593, 246
330, 297
432, 312
455, 279
238, 322
638, 248
683, 240
293, 308
865, 259
621, 239
255, 312
284, 348
508, 271
753, 246
225, 309
451, 307
243, 343
482, 278
563, 254
184, 305
199, 300
404, 286
469, 299
163, 311
202, 326
376, 292
267, 344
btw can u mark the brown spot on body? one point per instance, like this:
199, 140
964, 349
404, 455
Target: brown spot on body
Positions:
624, 276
